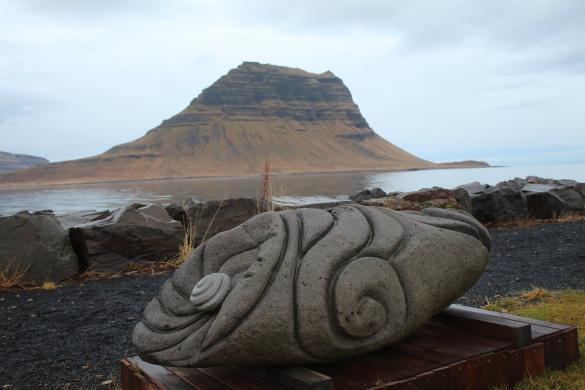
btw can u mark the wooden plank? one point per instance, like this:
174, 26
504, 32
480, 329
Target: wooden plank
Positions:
294, 377
236, 379
432, 355
555, 351
125, 374
474, 341
374, 370
516, 367
462, 348
533, 358
452, 341
460, 374
486, 378
197, 379
405, 384
571, 344
512, 317
502, 370
517, 333
437, 379
158, 376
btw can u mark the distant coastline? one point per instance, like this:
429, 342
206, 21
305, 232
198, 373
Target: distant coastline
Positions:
17, 186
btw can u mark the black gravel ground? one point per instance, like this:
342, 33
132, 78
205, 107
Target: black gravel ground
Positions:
73, 337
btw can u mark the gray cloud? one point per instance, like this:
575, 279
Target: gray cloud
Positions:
482, 73
62, 9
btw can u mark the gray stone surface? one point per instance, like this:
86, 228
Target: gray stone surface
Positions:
210, 218
374, 193
554, 203
499, 204
533, 197
312, 285
474, 187
36, 245
463, 199
131, 234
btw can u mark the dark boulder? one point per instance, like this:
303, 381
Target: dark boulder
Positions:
374, 193
521, 198
36, 246
428, 194
177, 213
539, 180
514, 184
206, 219
463, 199
499, 204
131, 234
82, 217
474, 187
554, 203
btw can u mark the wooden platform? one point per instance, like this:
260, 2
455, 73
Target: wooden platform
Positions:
461, 348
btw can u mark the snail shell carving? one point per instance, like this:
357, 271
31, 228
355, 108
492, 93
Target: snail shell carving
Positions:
309, 285
209, 292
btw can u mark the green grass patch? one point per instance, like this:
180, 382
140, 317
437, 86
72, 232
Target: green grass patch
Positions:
564, 307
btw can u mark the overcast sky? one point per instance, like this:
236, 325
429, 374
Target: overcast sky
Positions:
502, 81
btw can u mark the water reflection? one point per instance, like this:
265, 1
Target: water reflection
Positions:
291, 189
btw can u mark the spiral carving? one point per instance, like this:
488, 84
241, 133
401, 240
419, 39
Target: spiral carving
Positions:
209, 292
368, 298
311, 286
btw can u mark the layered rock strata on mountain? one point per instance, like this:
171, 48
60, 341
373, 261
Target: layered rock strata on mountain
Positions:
299, 121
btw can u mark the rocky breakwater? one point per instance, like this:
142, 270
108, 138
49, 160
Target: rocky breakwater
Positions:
137, 233
532, 197
415, 200
511, 200
206, 219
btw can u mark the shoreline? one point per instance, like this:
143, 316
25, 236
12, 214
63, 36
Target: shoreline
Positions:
15, 187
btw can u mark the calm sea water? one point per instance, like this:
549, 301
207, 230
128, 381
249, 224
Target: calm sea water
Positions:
293, 189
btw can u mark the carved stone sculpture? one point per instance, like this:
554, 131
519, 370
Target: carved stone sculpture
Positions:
311, 285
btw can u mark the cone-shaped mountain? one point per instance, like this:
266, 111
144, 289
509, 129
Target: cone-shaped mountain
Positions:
299, 121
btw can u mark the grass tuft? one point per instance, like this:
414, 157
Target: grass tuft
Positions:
565, 307
529, 222
49, 286
190, 241
264, 199
12, 278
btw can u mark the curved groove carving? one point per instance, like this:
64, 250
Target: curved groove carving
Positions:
311, 285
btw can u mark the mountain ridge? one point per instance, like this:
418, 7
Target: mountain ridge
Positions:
10, 162
301, 122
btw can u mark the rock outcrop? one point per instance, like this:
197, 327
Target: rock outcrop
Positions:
415, 200
532, 197
137, 233
206, 219
36, 247
13, 162
299, 121
368, 194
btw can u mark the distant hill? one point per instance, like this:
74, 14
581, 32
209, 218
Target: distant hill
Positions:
13, 162
466, 164
299, 121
